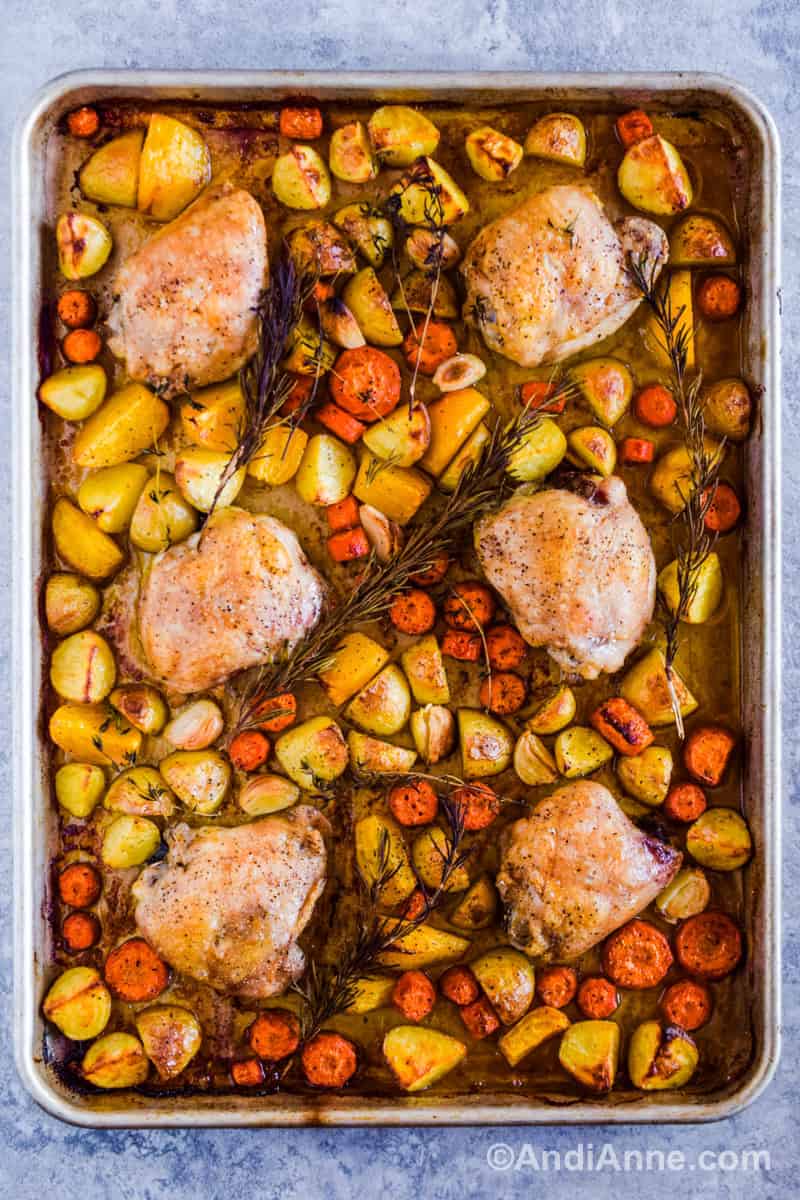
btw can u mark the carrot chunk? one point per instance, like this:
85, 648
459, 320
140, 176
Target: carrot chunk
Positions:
707, 752
685, 802
637, 955
80, 885
346, 427
81, 346
503, 692
466, 647
83, 122
414, 995
415, 905
597, 998
719, 298
469, 605
413, 803
301, 121
437, 345
299, 392
348, 545
543, 397
366, 383
275, 1034
343, 515
247, 1072
459, 985
556, 986
80, 931
134, 971
435, 573
687, 1003
277, 713
480, 1018
322, 290
76, 309
633, 126
329, 1060
249, 750
479, 805
413, 612
724, 511
622, 726
637, 450
506, 648
655, 405
709, 945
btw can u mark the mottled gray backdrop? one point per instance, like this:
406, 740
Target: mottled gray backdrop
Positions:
760, 45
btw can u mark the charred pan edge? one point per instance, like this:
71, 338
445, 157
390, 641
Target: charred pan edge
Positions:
760, 645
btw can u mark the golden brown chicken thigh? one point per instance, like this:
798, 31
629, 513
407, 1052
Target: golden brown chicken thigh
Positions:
185, 310
577, 869
236, 596
549, 278
226, 906
576, 570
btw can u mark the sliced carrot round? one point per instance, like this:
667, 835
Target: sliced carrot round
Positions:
459, 985
413, 612
709, 945
80, 885
479, 1018
503, 692
80, 931
329, 1060
366, 383
687, 1003
275, 1034
134, 971
415, 905
478, 803
413, 803
719, 298
597, 998
247, 1072
707, 752
81, 346
435, 572
277, 713
685, 802
655, 406
464, 647
505, 646
414, 995
556, 986
427, 349
76, 309
469, 605
83, 122
637, 955
724, 511
249, 750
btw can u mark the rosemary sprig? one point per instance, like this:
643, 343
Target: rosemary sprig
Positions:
693, 546
265, 384
330, 988
480, 487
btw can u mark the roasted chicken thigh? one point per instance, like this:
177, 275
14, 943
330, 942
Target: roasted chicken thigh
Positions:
226, 906
236, 595
577, 869
185, 310
550, 279
576, 568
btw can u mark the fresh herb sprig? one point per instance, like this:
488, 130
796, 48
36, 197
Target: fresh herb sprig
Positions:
693, 543
480, 486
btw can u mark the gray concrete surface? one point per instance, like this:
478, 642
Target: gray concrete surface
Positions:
758, 43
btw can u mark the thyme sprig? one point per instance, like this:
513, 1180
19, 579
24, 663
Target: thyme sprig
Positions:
480, 486
692, 542
329, 988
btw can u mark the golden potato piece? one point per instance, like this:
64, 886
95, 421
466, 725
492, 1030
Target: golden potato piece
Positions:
356, 660
204, 478
79, 787
580, 750
313, 752
422, 947
111, 175
117, 1060
279, 456
688, 894
427, 195
701, 241
175, 167
370, 232
508, 980
653, 178
660, 1057
424, 667
199, 778
606, 385
78, 1003
400, 135
645, 687
70, 603
646, 776
75, 392
351, 157
398, 492
84, 245
369, 754
707, 589
82, 544
82, 668
486, 744
383, 705
720, 840
538, 453
380, 848
593, 447
129, 841
559, 137
589, 1050
477, 909
162, 517
95, 734
728, 409
110, 495
128, 423
141, 705
493, 155
419, 1056
213, 417
171, 1036
428, 854
364, 295
531, 1032
300, 178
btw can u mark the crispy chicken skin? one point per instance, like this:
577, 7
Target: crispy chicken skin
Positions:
226, 906
184, 315
576, 570
549, 278
577, 869
233, 597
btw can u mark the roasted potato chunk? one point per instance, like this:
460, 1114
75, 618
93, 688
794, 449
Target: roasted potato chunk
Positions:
199, 778
117, 1060
589, 1050
645, 687
70, 603
384, 705
110, 495
79, 787
493, 155
486, 744
356, 660
422, 947
204, 478
508, 980
646, 776
559, 137
140, 792
379, 845
425, 670
84, 245
419, 1056
428, 856
111, 175
95, 734
141, 705
162, 517
82, 668
313, 753
370, 232
606, 385
318, 247
701, 241
477, 908
720, 840
129, 841
78, 1003
326, 472
369, 754
580, 750
727, 409
300, 179
652, 177
82, 544
400, 135
175, 166
401, 438
707, 584
554, 714
685, 896
350, 155
128, 423
427, 195
75, 392
592, 447
171, 1036
531, 1032
213, 417
661, 1057
398, 492
365, 297
539, 452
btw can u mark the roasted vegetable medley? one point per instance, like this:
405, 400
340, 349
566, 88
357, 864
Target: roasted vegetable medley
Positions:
392, 600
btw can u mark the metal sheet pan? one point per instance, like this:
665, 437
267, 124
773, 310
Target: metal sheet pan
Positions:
760, 648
